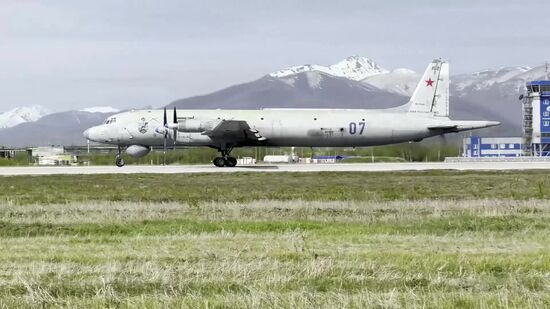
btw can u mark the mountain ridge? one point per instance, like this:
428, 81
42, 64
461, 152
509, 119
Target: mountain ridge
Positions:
353, 68
22, 114
480, 95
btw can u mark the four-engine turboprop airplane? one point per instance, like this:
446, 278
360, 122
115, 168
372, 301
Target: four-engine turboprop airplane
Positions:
425, 115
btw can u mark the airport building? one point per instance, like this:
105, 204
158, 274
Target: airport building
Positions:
536, 119
483, 147
52, 156
536, 129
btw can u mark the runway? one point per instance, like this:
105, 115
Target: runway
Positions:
268, 168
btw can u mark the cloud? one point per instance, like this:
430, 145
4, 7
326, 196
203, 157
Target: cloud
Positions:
72, 54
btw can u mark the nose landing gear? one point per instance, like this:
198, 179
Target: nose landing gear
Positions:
119, 161
225, 159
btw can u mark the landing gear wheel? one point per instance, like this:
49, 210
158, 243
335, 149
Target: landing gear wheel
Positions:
230, 162
219, 161
119, 161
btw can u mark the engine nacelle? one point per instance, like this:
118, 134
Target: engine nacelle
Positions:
137, 151
196, 125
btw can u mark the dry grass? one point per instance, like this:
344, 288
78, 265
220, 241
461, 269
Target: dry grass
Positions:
395, 254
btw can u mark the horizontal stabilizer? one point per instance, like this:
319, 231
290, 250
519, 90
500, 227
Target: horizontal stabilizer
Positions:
458, 126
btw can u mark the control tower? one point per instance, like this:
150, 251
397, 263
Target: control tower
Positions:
536, 119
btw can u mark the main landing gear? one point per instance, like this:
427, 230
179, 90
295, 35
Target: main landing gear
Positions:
225, 159
119, 161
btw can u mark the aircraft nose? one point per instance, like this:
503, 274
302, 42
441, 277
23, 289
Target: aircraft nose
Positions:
93, 134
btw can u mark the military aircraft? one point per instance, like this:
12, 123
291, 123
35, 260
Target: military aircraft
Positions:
425, 115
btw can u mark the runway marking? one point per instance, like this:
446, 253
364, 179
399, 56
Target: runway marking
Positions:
266, 168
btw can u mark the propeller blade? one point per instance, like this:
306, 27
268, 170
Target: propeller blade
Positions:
175, 127
164, 152
165, 124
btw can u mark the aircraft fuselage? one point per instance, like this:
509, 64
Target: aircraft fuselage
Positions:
280, 127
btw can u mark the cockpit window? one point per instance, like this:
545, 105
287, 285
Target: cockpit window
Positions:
110, 120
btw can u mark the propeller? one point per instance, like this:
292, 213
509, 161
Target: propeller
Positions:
165, 124
175, 127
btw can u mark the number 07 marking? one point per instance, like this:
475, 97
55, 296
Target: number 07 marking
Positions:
353, 128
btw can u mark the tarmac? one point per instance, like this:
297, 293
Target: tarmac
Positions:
268, 168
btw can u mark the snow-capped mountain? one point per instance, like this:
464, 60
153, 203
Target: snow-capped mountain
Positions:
311, 89
20, 115
353, 68
485, 79
101, 109
504, 82
399, 81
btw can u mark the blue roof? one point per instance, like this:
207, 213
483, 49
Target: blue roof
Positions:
539, 83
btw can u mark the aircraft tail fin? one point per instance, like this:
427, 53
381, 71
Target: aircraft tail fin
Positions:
431, 95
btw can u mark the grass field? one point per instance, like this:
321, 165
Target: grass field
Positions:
385, 240
241, 187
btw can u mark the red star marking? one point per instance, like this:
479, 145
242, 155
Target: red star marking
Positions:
429, 82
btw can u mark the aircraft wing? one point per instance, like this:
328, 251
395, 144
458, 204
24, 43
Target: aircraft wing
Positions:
234, 131
458, 126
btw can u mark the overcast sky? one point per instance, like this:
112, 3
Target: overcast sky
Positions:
74, 54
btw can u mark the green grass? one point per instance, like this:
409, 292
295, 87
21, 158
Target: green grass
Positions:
355, 186
439, 239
